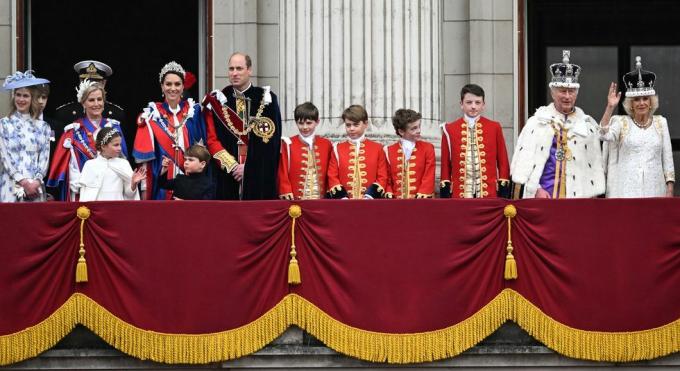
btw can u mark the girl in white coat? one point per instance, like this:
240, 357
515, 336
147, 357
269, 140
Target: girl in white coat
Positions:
109, 177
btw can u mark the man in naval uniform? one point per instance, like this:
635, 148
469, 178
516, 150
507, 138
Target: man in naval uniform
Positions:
558, 152
243, 125
69, 112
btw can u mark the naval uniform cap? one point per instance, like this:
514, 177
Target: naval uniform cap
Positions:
92, 70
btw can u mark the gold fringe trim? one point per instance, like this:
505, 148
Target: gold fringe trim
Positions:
352, 341
34, 340
594, 345
184, 348
401, 348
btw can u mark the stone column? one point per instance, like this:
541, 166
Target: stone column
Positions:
383, 54
251, 27
7, 9
478, 48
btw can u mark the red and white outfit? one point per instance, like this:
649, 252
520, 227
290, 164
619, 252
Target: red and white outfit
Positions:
411, 168
303, 167
358, 169
473, 147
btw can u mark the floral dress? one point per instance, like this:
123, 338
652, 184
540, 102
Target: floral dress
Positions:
24, 154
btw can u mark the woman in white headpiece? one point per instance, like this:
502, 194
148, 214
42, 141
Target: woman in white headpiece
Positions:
637, 151
77, 144
24, 142
166, 129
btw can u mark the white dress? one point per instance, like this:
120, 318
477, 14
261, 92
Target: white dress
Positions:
638, 162
105, 179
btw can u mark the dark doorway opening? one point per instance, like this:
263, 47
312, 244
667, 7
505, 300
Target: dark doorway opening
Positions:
605, 36
135, 38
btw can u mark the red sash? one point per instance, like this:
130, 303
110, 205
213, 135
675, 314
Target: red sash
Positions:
233, 116
163, 138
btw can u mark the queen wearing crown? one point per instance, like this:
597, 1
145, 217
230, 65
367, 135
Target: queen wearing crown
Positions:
166, 129
557, 154
637, 146
77, 144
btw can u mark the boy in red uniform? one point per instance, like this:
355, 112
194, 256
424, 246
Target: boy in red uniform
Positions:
358, 168
303, 164
474, 160
410, 161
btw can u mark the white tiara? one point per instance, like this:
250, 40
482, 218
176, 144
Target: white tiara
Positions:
108, 136
171, 67
80, 90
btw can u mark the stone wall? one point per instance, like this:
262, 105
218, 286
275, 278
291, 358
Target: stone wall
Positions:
6, 46
383, 54
478, 48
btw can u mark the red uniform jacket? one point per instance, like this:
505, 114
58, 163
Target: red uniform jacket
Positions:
493, 156
412, 178
295, 166
356, 174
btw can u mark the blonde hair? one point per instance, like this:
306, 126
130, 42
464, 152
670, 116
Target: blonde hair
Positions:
90, 89
628, 105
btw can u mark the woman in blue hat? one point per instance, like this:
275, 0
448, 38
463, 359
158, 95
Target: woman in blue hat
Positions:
24, 142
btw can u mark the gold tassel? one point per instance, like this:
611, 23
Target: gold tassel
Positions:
81, 268
510, 264
293, 268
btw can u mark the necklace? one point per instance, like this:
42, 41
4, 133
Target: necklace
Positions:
247, 125
643, 126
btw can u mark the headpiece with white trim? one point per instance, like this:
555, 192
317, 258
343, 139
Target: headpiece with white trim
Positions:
92, 70
565, 74
638, 82
21, 80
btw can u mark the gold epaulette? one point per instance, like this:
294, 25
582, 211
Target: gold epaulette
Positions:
227, 161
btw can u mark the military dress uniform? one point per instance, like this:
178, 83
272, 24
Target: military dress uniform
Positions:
303, 168
474, 162
358, 169
244, 128
410, 169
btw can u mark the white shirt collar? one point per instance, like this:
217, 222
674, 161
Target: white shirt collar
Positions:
250, 83
175, 110
407, 147
358, 140
470, 120
407, 144
309, 140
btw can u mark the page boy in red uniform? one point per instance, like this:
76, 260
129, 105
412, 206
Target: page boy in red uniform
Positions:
410, 161
358, 168
303, 164
474, 160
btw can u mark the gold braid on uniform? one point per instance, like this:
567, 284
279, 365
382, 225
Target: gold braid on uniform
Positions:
227, 161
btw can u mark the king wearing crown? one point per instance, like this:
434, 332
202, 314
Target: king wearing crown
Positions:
558, 152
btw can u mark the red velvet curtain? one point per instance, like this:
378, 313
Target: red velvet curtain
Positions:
388, 266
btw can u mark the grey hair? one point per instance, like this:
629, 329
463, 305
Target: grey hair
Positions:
628, 105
